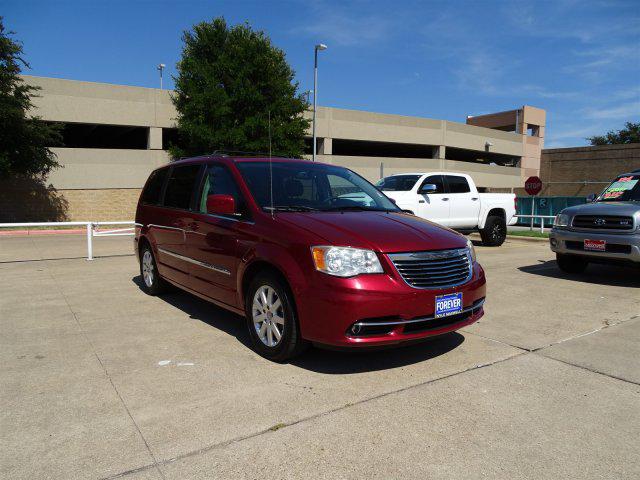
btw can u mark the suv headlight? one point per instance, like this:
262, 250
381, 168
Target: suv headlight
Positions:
345, 261
472, 250
562, 220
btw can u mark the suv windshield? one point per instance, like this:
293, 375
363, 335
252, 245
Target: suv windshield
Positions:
398, 183
623, 189
306, 186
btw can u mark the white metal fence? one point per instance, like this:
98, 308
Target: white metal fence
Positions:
92, 228
541, 217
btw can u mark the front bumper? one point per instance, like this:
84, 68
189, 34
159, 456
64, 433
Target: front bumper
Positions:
621, 247
387, 310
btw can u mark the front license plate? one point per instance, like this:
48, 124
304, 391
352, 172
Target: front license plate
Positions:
595, 245
449, 304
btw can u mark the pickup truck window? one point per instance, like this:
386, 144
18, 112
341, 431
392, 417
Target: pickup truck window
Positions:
623, 189
436, 180
457, 184
398, 183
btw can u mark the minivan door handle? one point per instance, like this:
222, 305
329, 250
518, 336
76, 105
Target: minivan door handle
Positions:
445, 199
474, 198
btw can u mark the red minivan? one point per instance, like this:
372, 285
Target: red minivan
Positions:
307, 252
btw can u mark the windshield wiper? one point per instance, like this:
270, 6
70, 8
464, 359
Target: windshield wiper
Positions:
290, 208
356, 208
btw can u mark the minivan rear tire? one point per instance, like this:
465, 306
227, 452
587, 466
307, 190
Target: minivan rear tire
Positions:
152, 283
279, 306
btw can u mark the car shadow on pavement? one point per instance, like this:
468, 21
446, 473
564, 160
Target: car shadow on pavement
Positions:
204, 311
320, 360
336, 362
614, 276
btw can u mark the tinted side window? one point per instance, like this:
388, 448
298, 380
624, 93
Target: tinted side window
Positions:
180, 186
153, 188
436, 180
457, 184
219, 181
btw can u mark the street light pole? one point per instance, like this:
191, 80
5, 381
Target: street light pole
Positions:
161, 68
320, 46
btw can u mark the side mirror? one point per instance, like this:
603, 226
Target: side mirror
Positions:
591, 197
393, 200
428, 188
221, 204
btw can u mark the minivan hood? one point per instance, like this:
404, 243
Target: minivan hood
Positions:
379, 231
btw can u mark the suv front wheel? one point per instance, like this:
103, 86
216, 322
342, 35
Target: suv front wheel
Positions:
571, 263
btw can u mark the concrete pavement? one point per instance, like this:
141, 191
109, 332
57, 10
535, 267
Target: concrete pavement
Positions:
103, 381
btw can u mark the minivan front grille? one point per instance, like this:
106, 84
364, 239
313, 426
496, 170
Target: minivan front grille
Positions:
438, 269
603, 222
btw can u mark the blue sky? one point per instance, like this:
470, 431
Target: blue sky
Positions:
579, 60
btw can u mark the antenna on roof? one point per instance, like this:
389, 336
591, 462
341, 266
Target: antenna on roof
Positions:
273, 215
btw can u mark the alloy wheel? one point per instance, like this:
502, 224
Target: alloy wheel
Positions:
147, 268
268, 316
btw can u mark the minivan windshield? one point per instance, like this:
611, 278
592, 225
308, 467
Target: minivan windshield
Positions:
625, 188
398, 183
307, 186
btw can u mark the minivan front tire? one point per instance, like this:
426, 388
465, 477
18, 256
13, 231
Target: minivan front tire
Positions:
272, 320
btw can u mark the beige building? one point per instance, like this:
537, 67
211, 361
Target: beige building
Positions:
115, 135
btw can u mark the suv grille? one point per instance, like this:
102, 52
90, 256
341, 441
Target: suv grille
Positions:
603, 222
439, 269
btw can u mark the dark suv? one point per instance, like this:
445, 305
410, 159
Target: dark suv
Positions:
307, 252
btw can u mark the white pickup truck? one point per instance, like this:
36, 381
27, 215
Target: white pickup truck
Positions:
452, 199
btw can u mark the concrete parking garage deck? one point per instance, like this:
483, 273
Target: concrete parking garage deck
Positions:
100, 380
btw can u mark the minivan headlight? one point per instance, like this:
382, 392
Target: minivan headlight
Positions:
472, 250
345, 261
562, 220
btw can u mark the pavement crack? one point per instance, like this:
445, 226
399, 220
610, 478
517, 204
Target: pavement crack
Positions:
592, 370
284, 425
106, 372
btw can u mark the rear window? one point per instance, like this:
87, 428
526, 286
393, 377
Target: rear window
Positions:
398, 183
153, 188
457, 184
180, 186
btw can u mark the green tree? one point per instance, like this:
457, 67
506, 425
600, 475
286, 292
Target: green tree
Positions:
629, 134
230, 80
24, 139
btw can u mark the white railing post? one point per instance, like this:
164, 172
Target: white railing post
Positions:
533, 210
89, 241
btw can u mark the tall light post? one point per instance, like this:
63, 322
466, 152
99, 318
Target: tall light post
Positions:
161, 68
320, 46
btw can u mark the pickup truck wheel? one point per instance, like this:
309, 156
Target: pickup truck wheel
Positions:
152, 283
571, 263
272, 320
494, 232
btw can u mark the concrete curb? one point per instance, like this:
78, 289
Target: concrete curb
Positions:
476, 236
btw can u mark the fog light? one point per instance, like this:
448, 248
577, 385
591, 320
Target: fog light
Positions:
554, 242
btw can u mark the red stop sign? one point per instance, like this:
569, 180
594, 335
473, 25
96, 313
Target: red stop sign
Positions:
533, 185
